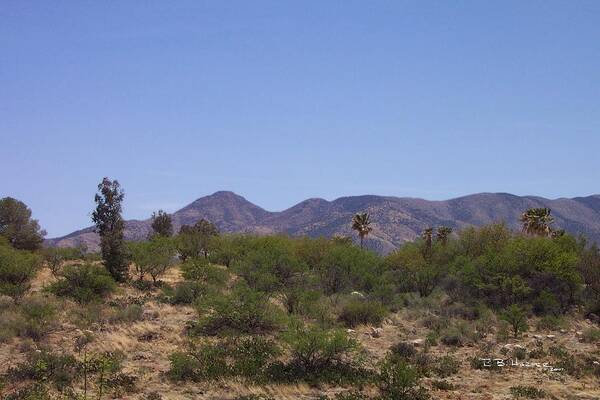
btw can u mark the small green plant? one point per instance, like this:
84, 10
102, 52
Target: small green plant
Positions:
527, 392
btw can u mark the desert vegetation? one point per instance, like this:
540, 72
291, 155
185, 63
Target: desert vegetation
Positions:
204, 314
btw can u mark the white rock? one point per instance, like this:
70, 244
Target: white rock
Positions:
359, 294
552, 337
417, 342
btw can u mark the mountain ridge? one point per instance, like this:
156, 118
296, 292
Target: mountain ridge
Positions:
395, 219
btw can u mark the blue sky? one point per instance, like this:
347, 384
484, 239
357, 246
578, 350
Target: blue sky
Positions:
282, 101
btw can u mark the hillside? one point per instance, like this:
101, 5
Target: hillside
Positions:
395, 220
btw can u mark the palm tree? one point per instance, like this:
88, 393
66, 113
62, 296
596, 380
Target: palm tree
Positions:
537, 221
427, 236
362, 225
442, 234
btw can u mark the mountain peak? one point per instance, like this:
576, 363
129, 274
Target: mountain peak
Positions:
397, 219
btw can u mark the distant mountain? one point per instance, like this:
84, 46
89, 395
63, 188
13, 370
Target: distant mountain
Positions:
395, 220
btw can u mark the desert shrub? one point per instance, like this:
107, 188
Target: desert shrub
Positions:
186, 292
358, 311
59, 369
345, 268
517, 319
36, 391
55, 256
446, 366
319, 355
144, 286
477, 362
519, 353
84, 283
254, 397
120, 383
458, 334
183, 367
546, 304
399, 381
503, 331
152, 257
36, 317
353, 395
403, 350
527, 392
17, 268
199, 269
442, 385
550, 323
244, 311
153, 396
129, 313
591, 335
248, 358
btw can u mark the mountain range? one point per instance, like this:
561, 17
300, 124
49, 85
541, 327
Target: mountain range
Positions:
394, 219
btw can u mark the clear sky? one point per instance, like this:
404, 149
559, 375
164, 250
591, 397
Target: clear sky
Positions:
281, 101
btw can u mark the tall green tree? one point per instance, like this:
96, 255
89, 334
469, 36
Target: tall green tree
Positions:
17, 226
362, 225
152, 257
196, 240
537, 222
162, 224
110, 227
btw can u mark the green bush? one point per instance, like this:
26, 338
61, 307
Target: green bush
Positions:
250, 357
357, 312
199, 269
17, 268
399, 381
403, 350
59, 369
186, 292
37, 317
36, 391
517, 318
243, 311
84, 283
446, 366
247, 358
319, 355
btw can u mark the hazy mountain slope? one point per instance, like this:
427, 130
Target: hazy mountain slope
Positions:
395, 219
